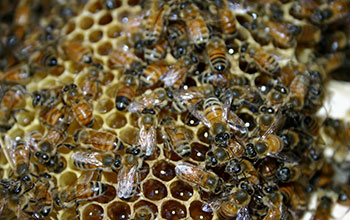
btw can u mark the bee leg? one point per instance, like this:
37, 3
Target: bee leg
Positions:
99, 175
77, 207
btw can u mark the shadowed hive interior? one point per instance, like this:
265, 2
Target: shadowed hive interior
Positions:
139, 90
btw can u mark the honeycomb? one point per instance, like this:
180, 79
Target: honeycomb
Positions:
102, 27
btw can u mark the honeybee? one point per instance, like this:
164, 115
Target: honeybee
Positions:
278, 95
18, 155
13, 97
332, 61
269, 145
308, 34
180, 47
236, 205
128, 177
47, 146
196, 26
90, 84
107, 162
298, 90
265, 62
76, 52
242, 169
324, 208
214, 117
147, 139
176, 74
227, 20
150, 99
294, 194
44, 59
290, 139
184, 100
152, 73
343, 192
176, 31
310, 124
155, 22
197, 176
282, 34
42, 205
217, 54
334, 11
143, 213
220, 155
81, 108
289, 172
333, 42
274, 201
126, 92
215, 79
304, 8
176, 137
83, 190
123, 57
156, 52
47, 97
20, 74
99, 140
54, 115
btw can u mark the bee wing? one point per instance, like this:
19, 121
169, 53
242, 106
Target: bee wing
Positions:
135, 106
85, 177
197, 114
243, 214
276, 125
126, 182
236, 123
8, 149
173, 74
188, 172
147, 140
87, 157
33, 139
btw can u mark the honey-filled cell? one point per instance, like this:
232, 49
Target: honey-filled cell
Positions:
93, 212
104, 48
105, 19
203, 134
108, 196
145, 210
198, 151
164, 170
154, 190
104, 105
95, 7
95, 36
118, 211
144, 170
86, 22
200, 211
172, 210
181, 190
67, 178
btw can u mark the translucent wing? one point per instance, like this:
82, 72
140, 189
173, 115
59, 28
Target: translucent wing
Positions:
174, 73
147, 139
243, 214
87, 157
276, 125
126, 182
188, 172
8, 148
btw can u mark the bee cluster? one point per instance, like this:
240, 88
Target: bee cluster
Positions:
171, 109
